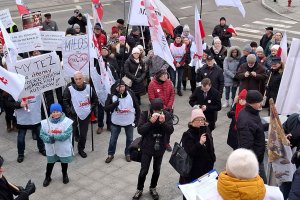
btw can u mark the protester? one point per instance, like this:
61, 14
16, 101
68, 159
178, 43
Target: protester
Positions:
264, 41
79, 101
9, 190
48, 24
187, 70
220, 31
238, 105
269, 58
186, 33
134, 38
122, 53
9, 109
254, 46
260, 55
198, 143
213, 72
79, 19
100, 37
209, 100
292, 130
155, 64
120, 25
246, 51
251, 130
113, 40
252, 75
230, 68
134, 69
295, 188
218, 51
56, 132
153, 126
125, 113
77, 29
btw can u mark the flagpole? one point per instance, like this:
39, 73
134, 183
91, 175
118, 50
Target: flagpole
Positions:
143, 38
201, 5
45, 110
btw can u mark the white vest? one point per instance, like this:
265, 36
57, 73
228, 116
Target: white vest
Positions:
81, 101
59, 148
32, 115
125, 114
177, 52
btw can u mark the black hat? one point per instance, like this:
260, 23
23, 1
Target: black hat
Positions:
1, 161
120, 21
207, 51
270, 28
222, 18
254, 96
135, 29
157, 104
47, 15
253, 44
209, 57
275, 60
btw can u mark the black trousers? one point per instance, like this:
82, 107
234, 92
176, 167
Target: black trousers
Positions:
80, 129
64, 169
145, 164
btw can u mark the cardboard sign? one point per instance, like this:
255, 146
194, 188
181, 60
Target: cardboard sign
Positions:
52, 40
27, 40
5, 18
32, 20
75, 55
42, 73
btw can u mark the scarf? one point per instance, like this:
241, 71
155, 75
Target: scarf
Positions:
238, 108
217, 50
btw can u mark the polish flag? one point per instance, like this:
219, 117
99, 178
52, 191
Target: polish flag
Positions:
22, 8
199, 34
282, 51
9, 48
97, 6
231, 29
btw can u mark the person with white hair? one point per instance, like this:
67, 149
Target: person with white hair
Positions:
78, 105
218, 51
268, 63
186, 33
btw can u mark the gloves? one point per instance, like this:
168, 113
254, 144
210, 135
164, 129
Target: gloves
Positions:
30, 187
51, 138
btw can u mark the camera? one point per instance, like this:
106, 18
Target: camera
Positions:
157, 138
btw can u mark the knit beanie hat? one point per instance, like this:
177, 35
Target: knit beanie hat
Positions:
247, 48
275, 46
186, 27
254, 96
243, 94
197, 113
259, 49
243, 164
122, 38
55, 107
1, 161
251, 58
76, 26
135, 50
157, 104
140, 47
114, 29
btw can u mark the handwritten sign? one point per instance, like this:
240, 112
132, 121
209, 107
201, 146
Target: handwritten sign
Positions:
42, 73
75, 55
27, 40
52, 40
5, 18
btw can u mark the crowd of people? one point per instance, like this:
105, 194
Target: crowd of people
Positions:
248, 75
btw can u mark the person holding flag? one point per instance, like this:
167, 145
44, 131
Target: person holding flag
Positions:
220, 31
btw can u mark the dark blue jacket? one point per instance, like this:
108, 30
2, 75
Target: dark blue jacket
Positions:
295, 189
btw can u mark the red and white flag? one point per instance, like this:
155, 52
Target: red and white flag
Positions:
97, 9
10, 49
22, 8
199, 34
282, 51
94, 50
231, 29
11, 83
138, 17
159, 41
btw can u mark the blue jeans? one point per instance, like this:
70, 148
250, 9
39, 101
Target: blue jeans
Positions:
227, 92
101, 113
115, 131
21, 139
179, 71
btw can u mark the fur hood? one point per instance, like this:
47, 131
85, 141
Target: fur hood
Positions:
231, 49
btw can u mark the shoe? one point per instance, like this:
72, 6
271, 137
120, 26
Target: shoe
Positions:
47, 181
137, 195
179, 93
34, 136
109, 159
226, 105
100, 130
127, 158
82, 154
153, 193
65, 179
8, 127
168, 147
43, 152
20, 158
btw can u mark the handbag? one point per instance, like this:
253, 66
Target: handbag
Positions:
135, 150
127, 80
180, 160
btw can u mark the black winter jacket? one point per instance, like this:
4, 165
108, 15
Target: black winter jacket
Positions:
273, 87
220, 57
82, 23
215, 74
147, 130
7, 192
221, 32
112, 64
295, 189
203, 156
251, 132
292, 125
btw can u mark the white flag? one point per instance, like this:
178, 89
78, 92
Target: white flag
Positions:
159, 41
233, 3
10, 49
11, 83
282, 51
93, 49
288, 98
198, 35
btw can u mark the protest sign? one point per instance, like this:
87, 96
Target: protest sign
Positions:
52, 40
42, 73
5, 18
75, 55
28, 40
32, 20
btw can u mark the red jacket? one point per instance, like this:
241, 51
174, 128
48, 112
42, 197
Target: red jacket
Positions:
101, 39
164, 90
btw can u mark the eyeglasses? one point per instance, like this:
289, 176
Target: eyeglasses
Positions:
199, 120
